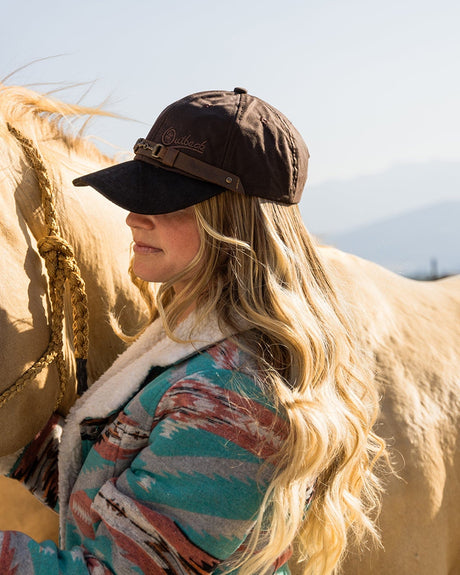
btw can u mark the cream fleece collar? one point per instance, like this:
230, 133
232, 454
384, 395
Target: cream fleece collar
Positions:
120, 382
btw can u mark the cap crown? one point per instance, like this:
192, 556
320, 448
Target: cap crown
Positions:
239, 134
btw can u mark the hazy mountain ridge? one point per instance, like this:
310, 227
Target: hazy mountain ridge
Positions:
411, 243
340, 206
406, 218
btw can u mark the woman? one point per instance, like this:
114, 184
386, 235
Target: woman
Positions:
237, 427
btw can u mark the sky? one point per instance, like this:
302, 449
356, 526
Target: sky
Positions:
369, 84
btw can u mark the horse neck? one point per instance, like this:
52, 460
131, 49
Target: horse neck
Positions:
96, 231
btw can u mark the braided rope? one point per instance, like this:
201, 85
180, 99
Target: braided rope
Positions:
61, 267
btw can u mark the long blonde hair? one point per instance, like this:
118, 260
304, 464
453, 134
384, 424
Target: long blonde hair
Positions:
262, 269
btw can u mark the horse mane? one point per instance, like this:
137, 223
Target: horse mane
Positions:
43, 119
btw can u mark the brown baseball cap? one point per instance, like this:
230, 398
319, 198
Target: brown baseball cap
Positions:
202, 145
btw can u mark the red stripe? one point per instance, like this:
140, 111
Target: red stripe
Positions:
111, 451
7, 555
242, 420
134, 553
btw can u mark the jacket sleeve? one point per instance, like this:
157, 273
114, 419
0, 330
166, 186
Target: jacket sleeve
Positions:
21, 555
36, 466
189, 499
183, 505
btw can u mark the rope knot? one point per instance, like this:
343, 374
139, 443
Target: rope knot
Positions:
49, 244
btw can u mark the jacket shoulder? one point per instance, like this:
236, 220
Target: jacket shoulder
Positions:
222, 366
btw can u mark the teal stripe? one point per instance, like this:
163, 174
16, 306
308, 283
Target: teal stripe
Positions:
197, 367
197, 493
152, 394
199, 443
95, 462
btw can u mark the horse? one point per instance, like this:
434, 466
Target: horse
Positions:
86, 224
409, 329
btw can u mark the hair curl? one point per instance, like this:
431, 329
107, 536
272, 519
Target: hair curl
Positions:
262, 269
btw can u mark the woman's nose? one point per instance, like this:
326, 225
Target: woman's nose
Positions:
138, 220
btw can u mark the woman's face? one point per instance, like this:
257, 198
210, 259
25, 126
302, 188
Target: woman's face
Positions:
164, 244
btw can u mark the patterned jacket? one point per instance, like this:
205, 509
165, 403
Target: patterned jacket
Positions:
160, 463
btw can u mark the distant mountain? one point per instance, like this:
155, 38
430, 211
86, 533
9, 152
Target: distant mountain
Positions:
411, 243
339, 206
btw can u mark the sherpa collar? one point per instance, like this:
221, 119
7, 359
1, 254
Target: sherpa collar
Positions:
120, 382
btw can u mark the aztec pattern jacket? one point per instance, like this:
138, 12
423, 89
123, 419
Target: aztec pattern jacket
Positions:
160, 463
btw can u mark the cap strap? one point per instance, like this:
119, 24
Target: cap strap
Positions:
172, 158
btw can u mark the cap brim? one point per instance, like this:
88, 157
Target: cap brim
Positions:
143, 188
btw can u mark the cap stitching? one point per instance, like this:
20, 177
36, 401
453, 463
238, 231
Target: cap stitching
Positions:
293, 150
239, 107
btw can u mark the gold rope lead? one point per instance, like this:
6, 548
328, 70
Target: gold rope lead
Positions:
61, 267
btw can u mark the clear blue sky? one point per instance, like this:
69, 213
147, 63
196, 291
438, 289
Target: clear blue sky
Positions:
368, 83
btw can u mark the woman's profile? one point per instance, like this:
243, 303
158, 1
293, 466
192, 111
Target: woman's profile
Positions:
235, 433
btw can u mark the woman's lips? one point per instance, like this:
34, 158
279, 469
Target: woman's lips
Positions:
140, 248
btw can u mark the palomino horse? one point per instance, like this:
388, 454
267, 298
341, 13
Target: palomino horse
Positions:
100, 239
411, 330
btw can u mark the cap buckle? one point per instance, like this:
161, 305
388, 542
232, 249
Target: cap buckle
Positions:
155, 150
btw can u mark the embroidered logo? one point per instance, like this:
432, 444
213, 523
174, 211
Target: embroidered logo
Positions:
170, 138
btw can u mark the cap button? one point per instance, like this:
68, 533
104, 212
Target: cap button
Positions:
240, 91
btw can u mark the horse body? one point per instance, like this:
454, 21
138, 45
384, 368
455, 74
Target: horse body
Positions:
411, 330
